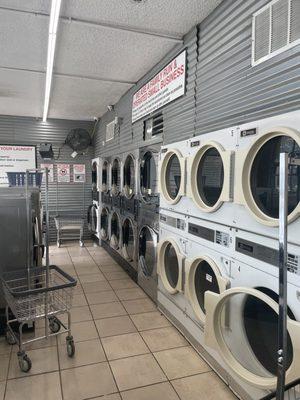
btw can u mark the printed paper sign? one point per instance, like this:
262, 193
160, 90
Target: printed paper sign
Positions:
79, 173
63, 173
15, 159
50, 172
166, 86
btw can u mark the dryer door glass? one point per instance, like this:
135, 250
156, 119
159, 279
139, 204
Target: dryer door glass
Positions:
104, 223
210, 177
205, 279
147, 251
94, 219
264, 178
115, 226
173, 176
148, 176
94, 175
249, 328
171, 265
128, 237
104, 174
115, 179
129, 175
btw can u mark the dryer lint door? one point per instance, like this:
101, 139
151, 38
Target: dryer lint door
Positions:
148, 251
129, 176
128, 239
247, 338
148, 176
170, 265
202, 275
172, 176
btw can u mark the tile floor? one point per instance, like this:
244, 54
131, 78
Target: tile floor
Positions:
125, 349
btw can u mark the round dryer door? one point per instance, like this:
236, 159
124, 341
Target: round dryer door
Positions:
242, 324
261, 176
115, 231
128, 237
94, 176
210, 177
147, 251
202, 275
170, 261
148, 177
105, 172
115, 177
104, 223
129, 176
172, 172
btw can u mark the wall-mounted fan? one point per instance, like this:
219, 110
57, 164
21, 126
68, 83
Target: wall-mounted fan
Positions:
79, 140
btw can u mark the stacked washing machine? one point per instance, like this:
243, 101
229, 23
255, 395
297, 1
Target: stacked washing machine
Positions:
148, 220
93, 214
218, 248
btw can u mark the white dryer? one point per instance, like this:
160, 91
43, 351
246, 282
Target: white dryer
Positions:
148, 174
104, 222
95, 179
93, 219
170, 263
257, 175
129, 240
130, 168
116, 176
115, 230
241, 325
105, 175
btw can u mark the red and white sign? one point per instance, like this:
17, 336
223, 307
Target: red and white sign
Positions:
79, 173
63, 173
15, 159
166, 86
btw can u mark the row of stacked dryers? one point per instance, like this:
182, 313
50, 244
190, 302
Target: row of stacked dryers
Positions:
218, 248
124, 214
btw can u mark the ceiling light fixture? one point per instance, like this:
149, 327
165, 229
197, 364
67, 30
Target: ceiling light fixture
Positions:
53, 23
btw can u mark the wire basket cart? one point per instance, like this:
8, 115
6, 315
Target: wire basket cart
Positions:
69, 226
38, 293
291, 392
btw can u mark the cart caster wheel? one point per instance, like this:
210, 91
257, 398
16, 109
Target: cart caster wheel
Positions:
10, 337
25, 363
70, 347
54, 325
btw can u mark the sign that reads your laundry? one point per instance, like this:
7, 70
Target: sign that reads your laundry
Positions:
166, 86
15, 159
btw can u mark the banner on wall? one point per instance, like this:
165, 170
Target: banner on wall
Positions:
164, 87
15, 159
50, 172
63, 173
79, 173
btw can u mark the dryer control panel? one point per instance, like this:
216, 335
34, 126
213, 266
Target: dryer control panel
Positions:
266, 254
218, 237
172, 221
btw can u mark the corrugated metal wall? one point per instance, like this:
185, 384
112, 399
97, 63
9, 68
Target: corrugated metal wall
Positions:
223, 89
229, 90
71, 196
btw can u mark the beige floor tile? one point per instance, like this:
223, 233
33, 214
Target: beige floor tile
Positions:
75, 251
4, 364
131, 294
154, 392
5, 348
79, 314
107, 310
79, 300
92, 287
84, 259
87, 270
43, 360
39, 344
163, 339
206, 386
136, 371
123, 284
139, 306
111, 268
115, 326
112, 275
32, 387
88, 381
89, 278
150, 320
102, 297
78, 288
124, 346
69, 269
89, 352
81, 331
2, 390
114, 396
181, 362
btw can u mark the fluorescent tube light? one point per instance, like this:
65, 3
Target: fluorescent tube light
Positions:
53, 23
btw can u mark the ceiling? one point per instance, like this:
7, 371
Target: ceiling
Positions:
103, 48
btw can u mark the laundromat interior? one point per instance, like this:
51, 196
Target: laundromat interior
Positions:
149, 199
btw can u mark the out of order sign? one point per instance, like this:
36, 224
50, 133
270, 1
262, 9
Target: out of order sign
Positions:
164, 87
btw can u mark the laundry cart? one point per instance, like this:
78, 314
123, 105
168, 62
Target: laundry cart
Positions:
69, 226
292, 392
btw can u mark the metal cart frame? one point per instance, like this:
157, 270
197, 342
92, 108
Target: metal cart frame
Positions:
38, 293
66, 224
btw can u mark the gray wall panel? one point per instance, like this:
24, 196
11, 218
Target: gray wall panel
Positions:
21, 130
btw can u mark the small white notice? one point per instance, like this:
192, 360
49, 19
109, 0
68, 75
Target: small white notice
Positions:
79, 173
63, 173
50, 172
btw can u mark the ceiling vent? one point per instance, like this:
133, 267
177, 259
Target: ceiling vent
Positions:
275, 28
